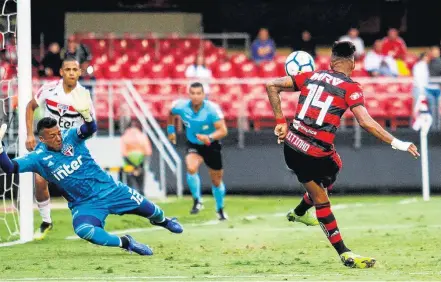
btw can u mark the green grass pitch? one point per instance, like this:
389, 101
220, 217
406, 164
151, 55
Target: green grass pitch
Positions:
257, 243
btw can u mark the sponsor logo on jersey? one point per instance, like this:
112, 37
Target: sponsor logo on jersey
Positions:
205, 127
50, 164
67, 150
326, 78
47, 157
67, 169
354, 96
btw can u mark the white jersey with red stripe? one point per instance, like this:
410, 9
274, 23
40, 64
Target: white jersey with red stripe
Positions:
57, 104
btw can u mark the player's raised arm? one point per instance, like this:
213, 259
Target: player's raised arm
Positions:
82, 103
371, 126
171, 129
273, 88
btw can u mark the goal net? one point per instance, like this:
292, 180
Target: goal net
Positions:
16, 222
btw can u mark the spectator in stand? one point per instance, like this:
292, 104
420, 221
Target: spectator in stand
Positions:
353, 37
421, 76
136, 150
52, 61
200, 73
377, 64
78, 51
263, 48
393, 45
307, 44
433, 89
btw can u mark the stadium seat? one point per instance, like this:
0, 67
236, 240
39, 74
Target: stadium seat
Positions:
261, 114
399, 111
168, 62
189, 59
268, 69
322, 62
144, 46
280, 61
113, 71
135, 71
178, 71
253, 89
224, 70
207, 46
156, 71
238, 59
211, 60
247, 70
144, 89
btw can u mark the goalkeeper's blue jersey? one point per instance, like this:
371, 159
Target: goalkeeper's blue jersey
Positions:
201, 122
73, 169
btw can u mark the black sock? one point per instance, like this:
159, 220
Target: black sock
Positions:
305, 204
124, 242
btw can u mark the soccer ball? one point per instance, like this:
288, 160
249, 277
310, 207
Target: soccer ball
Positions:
299, 61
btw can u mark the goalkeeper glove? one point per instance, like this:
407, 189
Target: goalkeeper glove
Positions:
82, 102
2, 134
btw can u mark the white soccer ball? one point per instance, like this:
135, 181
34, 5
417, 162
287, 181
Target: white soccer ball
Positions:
299, 61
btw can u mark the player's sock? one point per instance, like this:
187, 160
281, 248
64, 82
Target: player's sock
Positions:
194, 183
219, 194
304, 205
124, 242
329, 226
96, 235
45, 210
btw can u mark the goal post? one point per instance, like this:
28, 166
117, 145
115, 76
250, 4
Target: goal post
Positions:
24, 74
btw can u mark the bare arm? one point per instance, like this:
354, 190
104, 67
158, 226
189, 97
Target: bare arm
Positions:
30, 108
221, 130
370, 125
273, 88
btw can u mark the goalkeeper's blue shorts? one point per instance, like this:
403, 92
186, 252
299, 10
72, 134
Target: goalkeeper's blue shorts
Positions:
123, 200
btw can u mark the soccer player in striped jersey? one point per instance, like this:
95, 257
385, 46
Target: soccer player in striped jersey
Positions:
55, 99
309, 140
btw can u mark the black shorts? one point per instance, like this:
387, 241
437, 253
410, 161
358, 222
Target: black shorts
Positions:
211, 154
323, 170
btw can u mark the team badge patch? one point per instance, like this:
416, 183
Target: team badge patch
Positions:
62, 109
67, 150
355, 96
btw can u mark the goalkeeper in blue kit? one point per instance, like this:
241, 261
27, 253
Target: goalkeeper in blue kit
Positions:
64, 159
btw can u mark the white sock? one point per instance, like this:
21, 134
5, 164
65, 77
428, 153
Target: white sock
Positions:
45, 210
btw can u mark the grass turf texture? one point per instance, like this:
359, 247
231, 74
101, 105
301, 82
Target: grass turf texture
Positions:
257, 243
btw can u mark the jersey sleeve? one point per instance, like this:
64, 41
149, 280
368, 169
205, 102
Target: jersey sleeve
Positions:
354, 97
216, 113
28, 163
73, 134
41, 95
299, 80
177, 106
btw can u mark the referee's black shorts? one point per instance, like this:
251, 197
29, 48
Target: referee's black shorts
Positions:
211, 154
322, 171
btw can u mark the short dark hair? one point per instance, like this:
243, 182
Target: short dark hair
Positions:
69, 59
46, 122
197, 85
343, 50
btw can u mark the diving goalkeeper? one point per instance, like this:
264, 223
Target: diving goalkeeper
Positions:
64, 159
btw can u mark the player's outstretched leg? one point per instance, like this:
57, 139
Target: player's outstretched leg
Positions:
301, 212
42, 198
90, 229
193, 161
156, 216
330, 228
218, 190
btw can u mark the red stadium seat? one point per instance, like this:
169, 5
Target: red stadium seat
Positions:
268, 69
254, 89
262, 114
207, 46
178, 71
399, 112
144, 89
280, 62
156, 71
120, 46
406, 88
322, 62
211, 60
248, 69
145, 60
164, 89
224, 70
238, 59
112, 71
168, 61
221, 52
144, 46
134, 72
165, 45
189, 59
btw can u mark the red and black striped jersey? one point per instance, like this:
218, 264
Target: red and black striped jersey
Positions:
324, 97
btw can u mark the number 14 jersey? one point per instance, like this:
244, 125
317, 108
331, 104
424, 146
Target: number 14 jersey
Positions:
324, 97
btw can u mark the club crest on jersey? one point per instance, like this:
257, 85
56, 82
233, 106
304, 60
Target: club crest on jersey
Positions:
355, 96
62, 109
67, 150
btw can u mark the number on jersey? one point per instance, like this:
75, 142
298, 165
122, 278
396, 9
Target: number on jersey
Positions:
313, 98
